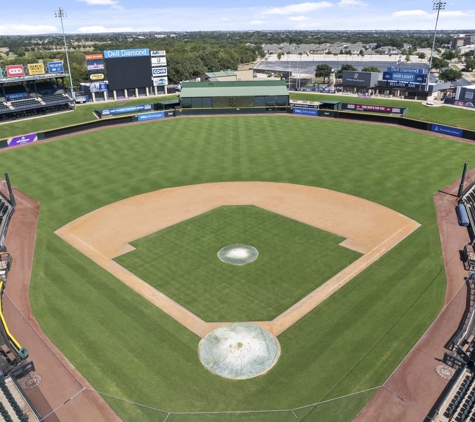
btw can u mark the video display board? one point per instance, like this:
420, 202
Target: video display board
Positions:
129, 72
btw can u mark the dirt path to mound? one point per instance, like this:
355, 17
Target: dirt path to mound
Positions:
63, 393
414, 387
369, 228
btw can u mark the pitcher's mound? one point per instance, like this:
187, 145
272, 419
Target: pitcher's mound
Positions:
239, 351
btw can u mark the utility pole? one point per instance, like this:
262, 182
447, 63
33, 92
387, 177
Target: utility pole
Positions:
61, 13
436, 5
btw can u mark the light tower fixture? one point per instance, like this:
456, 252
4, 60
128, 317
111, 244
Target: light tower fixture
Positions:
61, 13
436, 5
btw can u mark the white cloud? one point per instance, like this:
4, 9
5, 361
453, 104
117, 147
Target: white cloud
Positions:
456, 14
100, 2
12, 29
406, 13
257, 22
298, 18
295, 9
349, 3
98, 28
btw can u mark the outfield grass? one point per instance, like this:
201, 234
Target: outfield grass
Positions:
452, 116
82, 114
193, 275
126, 347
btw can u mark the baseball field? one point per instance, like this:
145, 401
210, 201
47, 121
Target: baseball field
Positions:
144, 361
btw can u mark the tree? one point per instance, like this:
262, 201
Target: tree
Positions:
450, 75
469, 64
422, 56
370, 69
362, 53
408, 58
439, 63
323, 71
349, 67
449, 55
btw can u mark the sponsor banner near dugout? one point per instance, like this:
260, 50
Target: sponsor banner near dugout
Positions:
305, 111
447, 130
151, 116
36, 69
125, 110
159, 61
55, 67
20, 140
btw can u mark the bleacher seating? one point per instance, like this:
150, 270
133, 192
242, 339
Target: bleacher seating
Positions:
14, 89
44, 88
4, 107
26, 103
55, 98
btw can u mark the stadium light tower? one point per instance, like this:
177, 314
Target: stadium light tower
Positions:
436, 5
61, 13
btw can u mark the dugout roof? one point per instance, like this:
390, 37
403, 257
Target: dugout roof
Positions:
233, 89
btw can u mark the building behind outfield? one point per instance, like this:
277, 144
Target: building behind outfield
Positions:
234, 94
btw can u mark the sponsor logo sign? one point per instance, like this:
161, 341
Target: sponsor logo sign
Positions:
20, 140
125, 110
117, 54
16, 96
92, 57
96, 76
305, 111
55, 67
15, 70
464, 103
97, 65
98, 86
357, 78
404, 77
151, 116
160, 81
36, 69
417, 70
407, 85
159, 61
158, 53
159, 71
447, 130
297, 105
379, 109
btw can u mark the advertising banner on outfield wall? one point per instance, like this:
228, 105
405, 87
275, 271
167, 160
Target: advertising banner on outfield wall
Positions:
36, 69
117, 54
159, 61
305, 111
464, 104
55, 67
15, 70
21, 140
158, 53
151, 116
125, 110
447, 130
92, 57
379, 109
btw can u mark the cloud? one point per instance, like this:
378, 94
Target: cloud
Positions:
257, 22
298, 18
406, 13
456, 14
99, 2
98, 28
295, 9
350, 3
13, 29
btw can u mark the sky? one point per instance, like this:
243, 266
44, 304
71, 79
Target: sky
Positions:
91, 16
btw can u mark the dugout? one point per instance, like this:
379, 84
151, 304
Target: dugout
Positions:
235, 94
330, 105
167, 105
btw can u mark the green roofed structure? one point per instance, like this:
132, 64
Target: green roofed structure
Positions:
234, 94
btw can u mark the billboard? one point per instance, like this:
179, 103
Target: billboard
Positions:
125, 73
96, 65
119, 54
98, 87
464, 103
97, 76
306, 111
15, 70
151, 116
20, 140
159, 61
158, 53
160, 81
125, 110
16, 96
92, 57
36, 69
447, 130
365, 79
55, 67
379, 109
404, 77
159, 71
417, 70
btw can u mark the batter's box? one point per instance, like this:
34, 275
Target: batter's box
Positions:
369, 228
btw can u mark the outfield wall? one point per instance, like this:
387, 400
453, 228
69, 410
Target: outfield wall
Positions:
337, 114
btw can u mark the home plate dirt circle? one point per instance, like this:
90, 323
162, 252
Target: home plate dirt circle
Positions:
239, 351
238, 254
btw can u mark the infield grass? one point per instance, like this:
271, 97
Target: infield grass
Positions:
294, 259
128, 348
